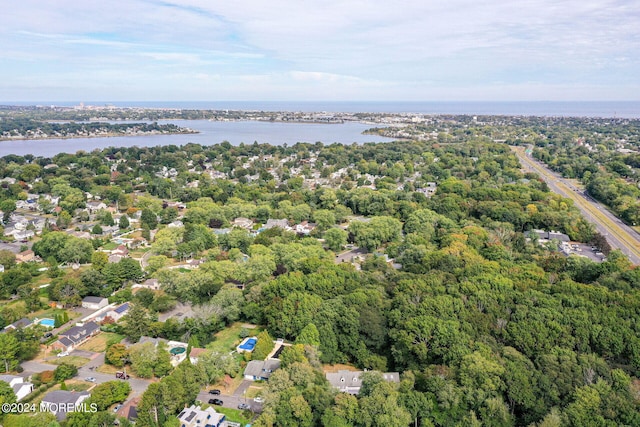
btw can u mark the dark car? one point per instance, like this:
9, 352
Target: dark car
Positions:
214, 391
216, 402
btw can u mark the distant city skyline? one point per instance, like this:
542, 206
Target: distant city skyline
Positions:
145, 50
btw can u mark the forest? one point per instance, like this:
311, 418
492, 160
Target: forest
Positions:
485, 326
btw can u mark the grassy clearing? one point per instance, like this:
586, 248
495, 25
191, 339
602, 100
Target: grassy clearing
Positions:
109, 246
228, 339
76, 361
338, 367
100, 342
253, 391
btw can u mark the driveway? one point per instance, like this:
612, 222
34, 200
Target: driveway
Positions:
138, 385
230, 401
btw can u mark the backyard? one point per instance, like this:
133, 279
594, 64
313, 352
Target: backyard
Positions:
76, 361
227, 339
100, 342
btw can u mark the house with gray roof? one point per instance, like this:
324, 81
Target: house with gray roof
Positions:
94, 303
60, 402
19, 386
350, 381
282, 223
22, 323
75, 336
257, 370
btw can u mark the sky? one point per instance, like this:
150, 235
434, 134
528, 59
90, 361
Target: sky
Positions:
347, 50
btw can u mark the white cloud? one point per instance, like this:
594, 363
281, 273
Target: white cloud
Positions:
340, 49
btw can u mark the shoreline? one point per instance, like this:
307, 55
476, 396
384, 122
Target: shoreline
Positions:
111, 135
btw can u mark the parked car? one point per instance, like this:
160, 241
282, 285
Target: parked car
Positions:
216, 402
48, 335
258, 399
214, 391
244, 406
63, 354
117, 408
122, 375
90, 379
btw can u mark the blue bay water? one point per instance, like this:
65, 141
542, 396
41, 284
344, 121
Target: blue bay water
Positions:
211, 133
290, 133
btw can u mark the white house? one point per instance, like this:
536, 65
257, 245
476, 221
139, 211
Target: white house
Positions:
117, 312
194, 416
350, 381
95, 206
20, 388
94, 303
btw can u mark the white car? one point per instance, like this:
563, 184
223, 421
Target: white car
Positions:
63, 354
258, 399
90, 379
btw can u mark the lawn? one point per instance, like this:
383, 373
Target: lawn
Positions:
109, 246
236, 415
254, 391
76, 361
100, 342
228, 338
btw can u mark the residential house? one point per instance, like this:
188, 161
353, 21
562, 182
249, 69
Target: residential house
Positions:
114, 259
23, 234
1, 268
81, 234
22, 323
245, 223
75, 336
60, 402
95, 205
120, 251
282, 223
62, 344
175, 224
547, 235
350, 381
117, 312
195, 354
152, 284
94, 303
19, 386
194, 416
304, 228
25, 256
130, 409
257, 370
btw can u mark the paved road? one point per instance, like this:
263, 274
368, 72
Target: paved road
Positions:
619, 235
138, 386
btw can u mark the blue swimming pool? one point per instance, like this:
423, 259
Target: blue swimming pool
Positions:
249, 344
50, 323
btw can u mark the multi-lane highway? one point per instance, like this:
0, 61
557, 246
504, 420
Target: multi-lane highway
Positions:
619, 235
